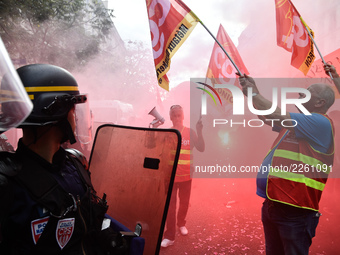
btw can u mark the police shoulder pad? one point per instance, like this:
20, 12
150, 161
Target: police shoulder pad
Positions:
9, 164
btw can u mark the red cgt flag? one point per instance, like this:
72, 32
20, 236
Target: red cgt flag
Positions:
171, 22
220, 69
293, 36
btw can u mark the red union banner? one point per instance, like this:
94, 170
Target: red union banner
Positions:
220, 67
221, 70
293, 36
171, 22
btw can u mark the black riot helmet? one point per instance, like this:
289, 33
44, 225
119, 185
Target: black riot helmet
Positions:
54, 92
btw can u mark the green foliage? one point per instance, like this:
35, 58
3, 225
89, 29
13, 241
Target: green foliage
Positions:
67, 33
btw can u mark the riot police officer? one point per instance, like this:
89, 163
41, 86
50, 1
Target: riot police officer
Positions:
48, 205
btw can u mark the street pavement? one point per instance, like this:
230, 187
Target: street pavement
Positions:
225, 218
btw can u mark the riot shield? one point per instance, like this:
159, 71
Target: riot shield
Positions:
136, 167
15, 105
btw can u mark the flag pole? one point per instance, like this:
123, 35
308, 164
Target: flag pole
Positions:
231, 60
219, 44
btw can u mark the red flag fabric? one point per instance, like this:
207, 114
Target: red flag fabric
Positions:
293, 36
220, 69
171, 22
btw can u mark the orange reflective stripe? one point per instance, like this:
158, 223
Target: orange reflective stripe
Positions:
51, 88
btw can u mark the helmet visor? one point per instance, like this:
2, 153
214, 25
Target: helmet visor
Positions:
83, 122
15, 104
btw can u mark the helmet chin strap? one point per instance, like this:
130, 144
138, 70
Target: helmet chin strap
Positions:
65, 126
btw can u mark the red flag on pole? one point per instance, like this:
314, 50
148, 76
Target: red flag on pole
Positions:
220, 67
171, 22
292, 35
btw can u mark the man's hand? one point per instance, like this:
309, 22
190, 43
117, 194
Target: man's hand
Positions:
197, 139
331, 69
199, 125
248, 82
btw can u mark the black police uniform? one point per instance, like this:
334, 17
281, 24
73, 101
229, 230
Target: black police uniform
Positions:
48, 208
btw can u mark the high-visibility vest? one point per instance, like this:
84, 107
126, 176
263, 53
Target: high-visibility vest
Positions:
184, 161
298, 172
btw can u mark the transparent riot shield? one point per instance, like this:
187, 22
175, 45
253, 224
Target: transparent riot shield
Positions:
15, 105
136, 167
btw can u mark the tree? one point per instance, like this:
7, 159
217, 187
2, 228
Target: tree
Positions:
140, 73
61, 32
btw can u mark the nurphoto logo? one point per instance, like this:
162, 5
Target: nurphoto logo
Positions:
239, 104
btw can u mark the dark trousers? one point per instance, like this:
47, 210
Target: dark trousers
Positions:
288, 230
181, 190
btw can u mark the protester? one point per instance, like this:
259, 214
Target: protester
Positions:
294, 172
48, 204
182, 183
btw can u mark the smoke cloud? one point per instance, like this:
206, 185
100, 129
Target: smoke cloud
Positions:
224, 214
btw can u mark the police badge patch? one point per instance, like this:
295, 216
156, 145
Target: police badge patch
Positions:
37, 227
64, 231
